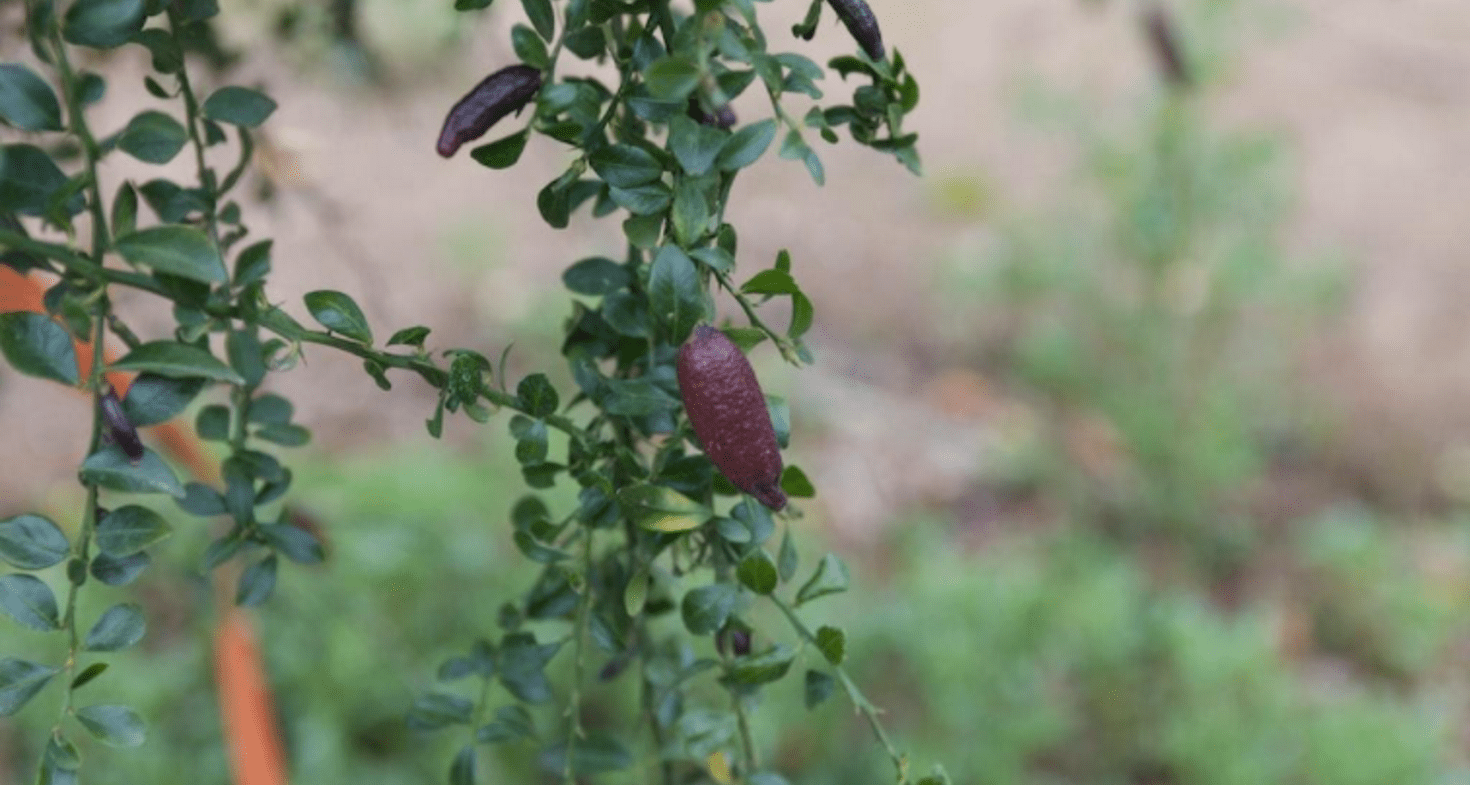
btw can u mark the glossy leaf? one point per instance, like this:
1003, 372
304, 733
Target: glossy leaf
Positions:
20, 680
103, 24
672, 77
832, 642
339, 313
153, 399
29, 601
674, 293
746, 145
660, 508
595, 277
37, 346
830, 577
119, 627
32, 542
130, 529
625, 166
758, 572
153, 137
110, 468
705, 609
26, 101
501, 153
184, 251
119, 570
256, 582
238, 106
113, 725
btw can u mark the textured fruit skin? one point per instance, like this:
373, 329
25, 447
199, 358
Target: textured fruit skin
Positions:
862, 24
728, 411
496, 96
120, 428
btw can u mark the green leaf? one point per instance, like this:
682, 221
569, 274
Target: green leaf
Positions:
758, 572
830, 577
536, 395
37, 346
177, 361
802, 313
625, 166
529, 47
113, 725
795, 483
691, 214
771, 281
119, 571
635, 594
780, 419
32, 542
637, 398
256, 582
587, 43
29, 179
110, 468
794, 148
238, 106
832, 642
671, 77
103, 24
284, 435
501, 153
130, 529
253, 264
339, 313
660, 508
20, 680
746, 145
119, 627
242, 347
542, 17
650, 199
153, 399
26, 101
213, 423
88, 674
409, 336
786, 561
153, 137
694, 145
760, 669
462, 769
819, 687
675, 298
471, 5
706, 608
125, 209
28, 600
184, 251
298, 544
596, 277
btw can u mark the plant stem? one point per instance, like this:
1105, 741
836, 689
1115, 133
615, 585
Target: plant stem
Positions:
788, 351
574, 700
860, 702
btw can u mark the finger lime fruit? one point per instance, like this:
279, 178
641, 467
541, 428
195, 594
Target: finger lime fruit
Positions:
496, 96
728, 412
862, 24
119, 428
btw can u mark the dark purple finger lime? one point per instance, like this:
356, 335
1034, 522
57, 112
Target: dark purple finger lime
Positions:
728, 412
496, 96
862, 24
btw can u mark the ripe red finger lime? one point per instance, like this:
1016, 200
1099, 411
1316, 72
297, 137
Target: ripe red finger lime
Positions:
725, 406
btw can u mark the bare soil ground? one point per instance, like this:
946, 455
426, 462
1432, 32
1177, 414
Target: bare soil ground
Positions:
1370, 97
